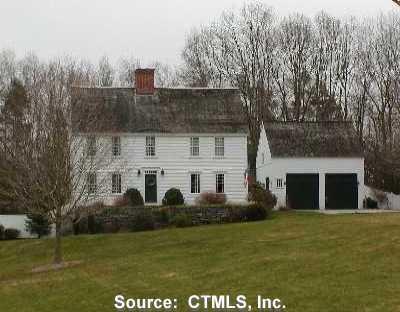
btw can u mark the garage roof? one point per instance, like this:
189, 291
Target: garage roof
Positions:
312, 139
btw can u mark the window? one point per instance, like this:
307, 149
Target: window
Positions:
91, 182
279, 183
219, 147
262, 158
150, 146
267, 183
195, 183
116, 183
116, 146
91, 145
194, 146
220, 183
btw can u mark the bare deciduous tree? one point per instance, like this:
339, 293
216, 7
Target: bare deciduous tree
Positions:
45, 167
105, 73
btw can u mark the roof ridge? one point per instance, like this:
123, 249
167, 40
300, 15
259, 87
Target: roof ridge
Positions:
157, 88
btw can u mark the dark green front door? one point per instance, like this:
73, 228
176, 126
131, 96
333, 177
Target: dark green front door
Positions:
150, 188
302, 191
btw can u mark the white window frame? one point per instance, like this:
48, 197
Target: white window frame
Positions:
91, 145
116, 146
116, 183
220, 177
279, 183
197, 186
194, 146
150, 146
92, 183
219, 146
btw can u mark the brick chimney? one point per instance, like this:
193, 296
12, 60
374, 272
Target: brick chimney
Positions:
144, 81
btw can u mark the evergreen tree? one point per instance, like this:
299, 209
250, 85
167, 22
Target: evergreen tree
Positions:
38, 224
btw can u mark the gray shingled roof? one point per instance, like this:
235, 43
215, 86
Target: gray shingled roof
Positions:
167, 111
312, 139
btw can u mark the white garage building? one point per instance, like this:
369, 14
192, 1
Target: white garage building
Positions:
312, 165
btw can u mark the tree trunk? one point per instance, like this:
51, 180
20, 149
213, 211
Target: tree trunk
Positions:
57, 249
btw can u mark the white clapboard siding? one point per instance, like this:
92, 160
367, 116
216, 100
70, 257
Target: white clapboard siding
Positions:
173, 156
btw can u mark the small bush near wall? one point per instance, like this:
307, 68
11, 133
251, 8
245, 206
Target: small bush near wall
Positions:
173, 197
162, 216
10, 234
182, 220
134, 197
369, 203
256, 212
265, 198
142, 222
211, 198
1, 232
235, 214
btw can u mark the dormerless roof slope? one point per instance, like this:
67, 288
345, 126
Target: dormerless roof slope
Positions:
166, 111
312, 139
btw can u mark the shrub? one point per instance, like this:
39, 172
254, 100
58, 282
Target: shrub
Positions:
134, 197
94, 226
142, 222
256, 212
182, 220
369, 203
258, 194
235, 213
211, 198
11, 234
173, 197
162, 215
1, 232
38, 223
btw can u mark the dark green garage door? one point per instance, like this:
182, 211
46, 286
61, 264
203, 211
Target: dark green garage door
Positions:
302, 191
341, 191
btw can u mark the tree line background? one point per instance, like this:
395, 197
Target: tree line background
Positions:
293, 68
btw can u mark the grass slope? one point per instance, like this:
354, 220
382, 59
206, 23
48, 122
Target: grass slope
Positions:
312, 262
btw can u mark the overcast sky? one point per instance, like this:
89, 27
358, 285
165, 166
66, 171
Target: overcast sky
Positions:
148, 29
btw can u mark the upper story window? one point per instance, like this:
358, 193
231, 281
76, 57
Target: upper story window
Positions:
91, 182
91, 145
116, 183
262, 158
195, 183
279, 183
220, 183
219, 147
194, 146
150, 146
116, 146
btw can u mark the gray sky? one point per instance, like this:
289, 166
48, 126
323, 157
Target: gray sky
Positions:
148, 29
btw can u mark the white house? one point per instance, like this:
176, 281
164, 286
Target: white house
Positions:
312, 165
158, 138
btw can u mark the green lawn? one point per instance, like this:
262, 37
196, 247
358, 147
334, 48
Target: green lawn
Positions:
312, 262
